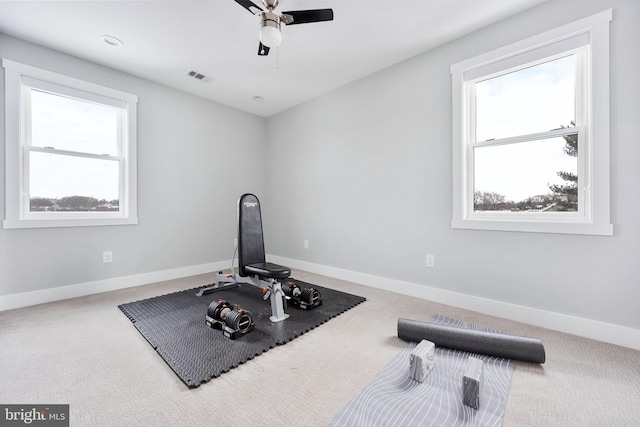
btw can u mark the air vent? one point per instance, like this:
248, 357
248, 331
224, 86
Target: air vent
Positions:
198, 76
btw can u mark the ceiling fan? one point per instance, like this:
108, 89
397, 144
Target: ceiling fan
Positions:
270, 21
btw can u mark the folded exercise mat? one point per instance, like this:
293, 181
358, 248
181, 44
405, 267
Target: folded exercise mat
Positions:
474, 341
392, 398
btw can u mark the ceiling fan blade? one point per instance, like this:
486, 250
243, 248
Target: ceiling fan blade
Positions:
263, 50
308, 16
250, 6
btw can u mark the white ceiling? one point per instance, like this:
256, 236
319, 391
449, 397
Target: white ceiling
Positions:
219, 38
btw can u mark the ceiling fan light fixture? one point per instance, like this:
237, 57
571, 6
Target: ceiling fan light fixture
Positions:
270, 34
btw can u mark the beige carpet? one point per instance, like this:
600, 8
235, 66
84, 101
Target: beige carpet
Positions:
86, 353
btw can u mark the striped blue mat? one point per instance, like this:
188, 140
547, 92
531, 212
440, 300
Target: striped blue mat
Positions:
392, 398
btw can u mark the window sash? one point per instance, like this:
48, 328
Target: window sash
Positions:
578, 216
478, 102
85, 98
25, 207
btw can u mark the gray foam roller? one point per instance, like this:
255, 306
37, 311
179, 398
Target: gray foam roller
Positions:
482, 342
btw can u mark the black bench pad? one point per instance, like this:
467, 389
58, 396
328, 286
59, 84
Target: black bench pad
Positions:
268, 270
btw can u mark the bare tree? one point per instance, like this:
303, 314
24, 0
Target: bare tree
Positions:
488, 201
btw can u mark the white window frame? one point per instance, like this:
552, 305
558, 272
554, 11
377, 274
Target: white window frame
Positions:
588, 38
20, 79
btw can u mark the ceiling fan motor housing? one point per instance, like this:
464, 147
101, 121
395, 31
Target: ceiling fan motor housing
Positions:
270, 29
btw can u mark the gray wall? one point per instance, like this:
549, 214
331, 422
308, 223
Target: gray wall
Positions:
364, 174
188, 184
367, 179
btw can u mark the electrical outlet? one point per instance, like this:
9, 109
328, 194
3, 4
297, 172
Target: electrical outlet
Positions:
107, 256
431, 260
306, 244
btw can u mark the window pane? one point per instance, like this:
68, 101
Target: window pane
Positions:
68, 183
533, 176
71, 124
531, 100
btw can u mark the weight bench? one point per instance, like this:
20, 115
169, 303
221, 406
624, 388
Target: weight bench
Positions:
253, 269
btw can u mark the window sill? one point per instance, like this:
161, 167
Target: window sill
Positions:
68, 222
535, 227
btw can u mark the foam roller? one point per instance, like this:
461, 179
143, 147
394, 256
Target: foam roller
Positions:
473, 341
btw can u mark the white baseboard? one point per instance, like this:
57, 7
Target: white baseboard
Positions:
588, 328
25, 299
602, 331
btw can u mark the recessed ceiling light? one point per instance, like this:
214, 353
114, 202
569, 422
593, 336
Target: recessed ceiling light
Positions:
258, 98
111, 41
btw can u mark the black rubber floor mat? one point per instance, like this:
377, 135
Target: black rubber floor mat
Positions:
174, 324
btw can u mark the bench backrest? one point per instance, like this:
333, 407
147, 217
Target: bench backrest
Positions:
250, 238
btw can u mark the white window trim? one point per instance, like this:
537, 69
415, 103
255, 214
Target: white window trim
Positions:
596, 218
16, 215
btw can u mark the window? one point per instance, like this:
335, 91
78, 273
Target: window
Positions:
531, 134
70, 151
